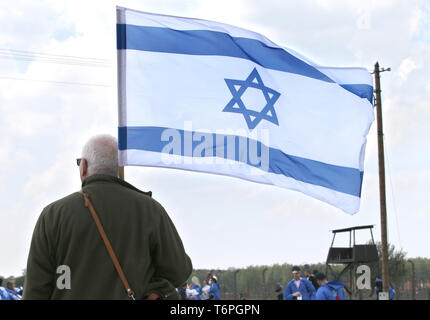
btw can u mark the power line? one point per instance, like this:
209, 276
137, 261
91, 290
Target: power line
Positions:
55, 55
59, 82
392, 195
53, 61
56, 59
53, 58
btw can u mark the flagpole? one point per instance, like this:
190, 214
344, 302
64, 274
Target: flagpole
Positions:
382, 198
121, 62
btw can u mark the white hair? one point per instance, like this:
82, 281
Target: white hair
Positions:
195, 280
101, 152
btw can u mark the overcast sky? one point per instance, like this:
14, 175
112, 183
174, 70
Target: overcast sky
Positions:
223, 221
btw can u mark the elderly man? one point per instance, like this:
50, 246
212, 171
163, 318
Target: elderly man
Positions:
70, 258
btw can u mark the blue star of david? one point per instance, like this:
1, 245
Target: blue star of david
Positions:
236, 104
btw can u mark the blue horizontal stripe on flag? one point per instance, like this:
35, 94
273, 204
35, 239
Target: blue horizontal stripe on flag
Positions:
361, 90
338, 178
206, 42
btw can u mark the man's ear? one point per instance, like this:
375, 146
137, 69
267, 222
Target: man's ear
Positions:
83, 169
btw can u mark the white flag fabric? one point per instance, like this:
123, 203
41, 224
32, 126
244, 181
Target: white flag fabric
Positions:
204, 96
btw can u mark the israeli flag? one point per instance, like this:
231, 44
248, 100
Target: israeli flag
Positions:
204, 96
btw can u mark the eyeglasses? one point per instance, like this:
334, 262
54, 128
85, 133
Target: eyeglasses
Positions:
78, 161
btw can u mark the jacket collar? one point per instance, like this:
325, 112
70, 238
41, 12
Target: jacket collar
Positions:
96, 178
301, 282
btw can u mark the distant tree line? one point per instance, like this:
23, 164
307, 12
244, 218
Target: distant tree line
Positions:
250, 282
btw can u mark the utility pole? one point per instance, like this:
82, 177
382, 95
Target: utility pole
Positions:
413, 293
235, 283
382, 199
264, 283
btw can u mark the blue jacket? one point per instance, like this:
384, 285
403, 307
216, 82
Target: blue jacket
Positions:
332, 290
199, 290
392, 292
13, 295
3, 294
215, 291
306, 289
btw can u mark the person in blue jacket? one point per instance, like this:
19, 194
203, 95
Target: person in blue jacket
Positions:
299, 288
196, 286
332, 290
378, 284
3, 293
214, 290
20, 290
10, 288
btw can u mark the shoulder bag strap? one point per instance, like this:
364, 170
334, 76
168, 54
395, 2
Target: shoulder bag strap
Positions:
109, 248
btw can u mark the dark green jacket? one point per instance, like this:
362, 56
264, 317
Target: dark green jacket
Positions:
141, 233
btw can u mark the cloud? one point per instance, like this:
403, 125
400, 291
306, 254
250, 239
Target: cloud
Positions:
415, 21
28, 24
407, 66
43, 187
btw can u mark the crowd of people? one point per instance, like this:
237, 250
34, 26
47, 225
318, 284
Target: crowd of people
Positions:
10, 292
313, 286
208, 290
